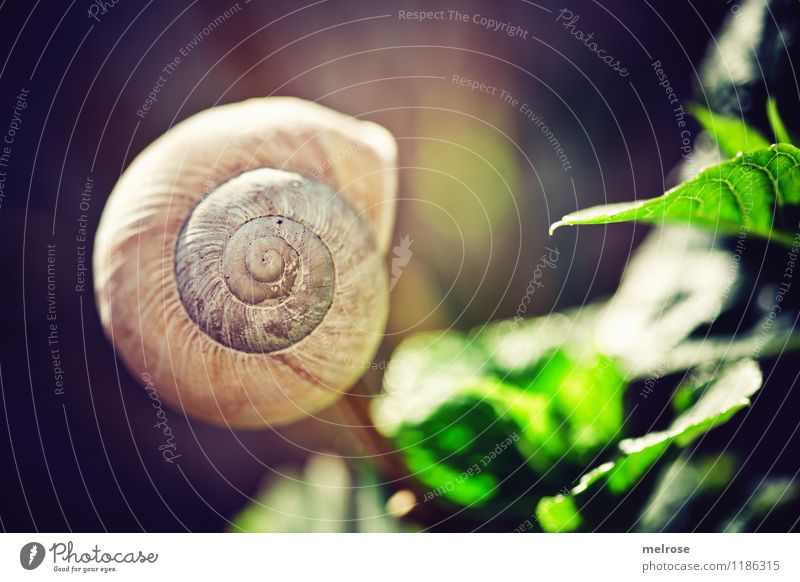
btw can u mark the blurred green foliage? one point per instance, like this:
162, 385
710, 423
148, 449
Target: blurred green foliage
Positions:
455, 412
327, 495
561, 411
724, 394
555, 387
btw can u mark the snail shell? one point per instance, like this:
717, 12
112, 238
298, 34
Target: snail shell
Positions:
238, 264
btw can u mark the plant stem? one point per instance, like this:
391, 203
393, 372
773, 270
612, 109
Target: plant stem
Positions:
783, 238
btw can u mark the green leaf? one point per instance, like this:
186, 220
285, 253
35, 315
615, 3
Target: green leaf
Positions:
731, 133
728, 392
461, 451
567, 405
558, 514
425, 371
775, 121
737, 196
451, 400
554, 360
682, 484
685, 396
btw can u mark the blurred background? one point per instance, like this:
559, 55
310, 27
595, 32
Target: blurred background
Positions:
483, 173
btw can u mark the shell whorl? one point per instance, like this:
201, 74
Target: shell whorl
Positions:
252, 269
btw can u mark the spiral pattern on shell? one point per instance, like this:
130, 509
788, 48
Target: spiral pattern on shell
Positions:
253, 271
239, 261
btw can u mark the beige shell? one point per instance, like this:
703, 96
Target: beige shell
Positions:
239, 266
